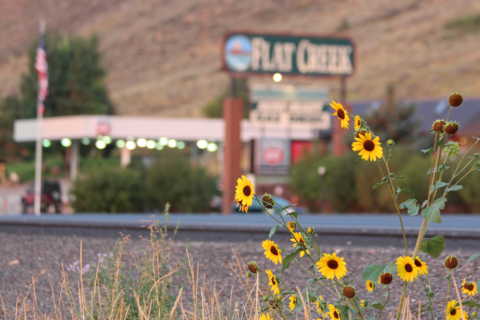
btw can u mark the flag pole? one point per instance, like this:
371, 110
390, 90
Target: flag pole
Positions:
38, 161
38, 147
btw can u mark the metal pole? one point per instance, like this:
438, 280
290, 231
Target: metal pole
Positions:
38, 161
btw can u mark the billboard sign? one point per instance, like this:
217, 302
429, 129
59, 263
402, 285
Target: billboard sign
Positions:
259, 53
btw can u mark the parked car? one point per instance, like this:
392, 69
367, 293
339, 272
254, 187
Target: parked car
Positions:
51, 198
257, 207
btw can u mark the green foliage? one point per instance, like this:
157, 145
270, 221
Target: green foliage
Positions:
373, 271
109, 190
433, 246
399, 125
174, 180
214, 108
76, 79
464, 24
470, 194
432, 213
336, 186
26, 169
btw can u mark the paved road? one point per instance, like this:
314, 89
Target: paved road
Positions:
458, 226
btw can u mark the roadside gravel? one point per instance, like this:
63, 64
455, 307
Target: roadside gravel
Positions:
40, 256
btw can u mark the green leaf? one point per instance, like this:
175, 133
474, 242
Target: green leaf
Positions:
471, 303
373, 271
378, 305
289, 258
433, 246
454, 188
432, 213
380, 183
391, 268
273, 230
411, 205
439, 185
473, 257
426, 151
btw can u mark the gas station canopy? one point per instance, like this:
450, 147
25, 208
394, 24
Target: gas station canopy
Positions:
124, 127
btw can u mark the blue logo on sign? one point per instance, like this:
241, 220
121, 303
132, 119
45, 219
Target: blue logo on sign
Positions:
238, 51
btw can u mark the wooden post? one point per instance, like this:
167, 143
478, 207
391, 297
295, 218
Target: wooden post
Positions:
232, 145
338, 134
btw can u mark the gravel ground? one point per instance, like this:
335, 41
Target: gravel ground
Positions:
39, 256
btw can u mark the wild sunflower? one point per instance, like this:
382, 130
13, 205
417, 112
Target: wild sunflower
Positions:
273, 282
331, 266
244, 193
321, 306
299, 242
421, 266
265, 316
333, 312
369, 285
469, 288
341, 114
363, 303
406, 268
369, 148
357, 122
291, 225
292, 302
453, 311
272, 251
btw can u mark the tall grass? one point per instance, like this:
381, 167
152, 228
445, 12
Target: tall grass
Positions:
151, 287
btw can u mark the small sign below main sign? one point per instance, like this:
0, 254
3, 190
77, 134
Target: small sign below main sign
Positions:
252, 53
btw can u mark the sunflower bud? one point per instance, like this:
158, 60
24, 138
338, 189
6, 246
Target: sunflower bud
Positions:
267, 201
310, 230
360, 133
390, 142
455, 99
292, 226
451, 262
386, 278
349, 292
438, 125
252, 267
451, 127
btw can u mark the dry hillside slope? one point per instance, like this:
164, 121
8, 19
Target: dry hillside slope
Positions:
163, 56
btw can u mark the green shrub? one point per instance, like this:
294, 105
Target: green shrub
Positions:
470, 194
468, 23
109, 190
335, 186
173, 179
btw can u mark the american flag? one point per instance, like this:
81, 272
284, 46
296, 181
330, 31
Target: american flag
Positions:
41, 66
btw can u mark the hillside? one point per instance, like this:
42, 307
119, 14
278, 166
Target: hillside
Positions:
163, 57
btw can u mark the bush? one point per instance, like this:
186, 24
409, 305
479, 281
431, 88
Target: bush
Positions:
173, 179
470, 194
109, 190
335, 186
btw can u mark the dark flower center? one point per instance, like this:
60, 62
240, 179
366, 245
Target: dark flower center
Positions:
274, 282
408, 267
247, 190
341, 114
468, 286
274, 250
369, 145
332, 264
453, 312
335, 314
418, 263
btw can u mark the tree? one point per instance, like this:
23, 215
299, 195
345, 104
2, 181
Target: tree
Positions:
76, 79
395, 120
214, 108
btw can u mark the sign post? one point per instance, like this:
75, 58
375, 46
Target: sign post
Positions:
246, 54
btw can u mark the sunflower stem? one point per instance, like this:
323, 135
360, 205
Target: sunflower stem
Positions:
397, 207
457, 292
